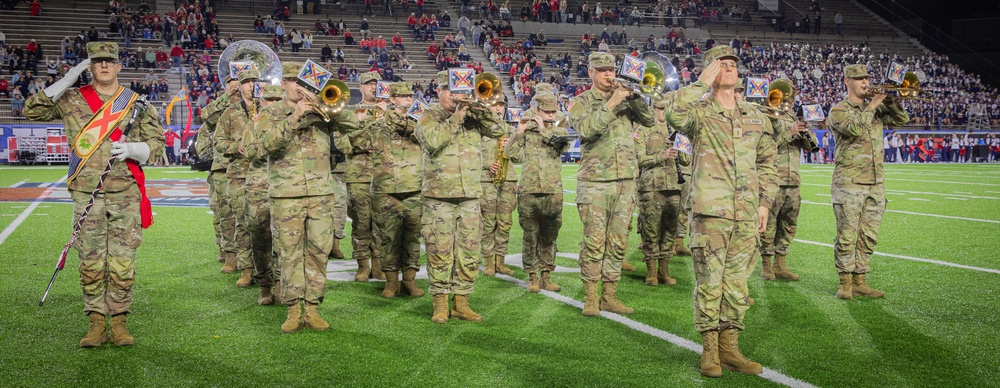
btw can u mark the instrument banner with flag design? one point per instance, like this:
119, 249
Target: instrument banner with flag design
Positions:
236, 67
417, 110
895, 73
460, 81
632, 68
757, 87
313, 76
513, 115
813, 113
682, 144
382, 89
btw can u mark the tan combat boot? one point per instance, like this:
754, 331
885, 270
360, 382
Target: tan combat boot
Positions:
547, 283
294, 321
710, 354
230, 262
860, 287
313, 319
628, 267
363, 271
96, 332
246, 278
440, 308
377, 269
491, 266
391, 284
781, 269
591, 305
767, 270
119, 333
410, 283
336, 253
663, 272
463, 311
730, 356
679, 247
501, 268
266, 297
610, 302
533, 283
651, 279
845, 291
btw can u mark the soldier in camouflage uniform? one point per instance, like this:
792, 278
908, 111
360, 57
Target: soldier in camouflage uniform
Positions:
396, 181
791, 137
359, 182
205, 147
498, 200
537, 144
338, 162
604, 117
228, 135
857, 191
257, 205
297, 142
112, 231
450, 134
659, 194
730, 138
218, 180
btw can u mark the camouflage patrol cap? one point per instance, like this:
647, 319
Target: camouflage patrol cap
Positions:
99, 50
741, 84
719, 52
291, 69
546, 102
543, 87
248, 74
227, 78
272, 92
858, 70
599, 61
369, 77
400, 89
442, 79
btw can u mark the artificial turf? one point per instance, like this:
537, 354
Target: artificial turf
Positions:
193, 327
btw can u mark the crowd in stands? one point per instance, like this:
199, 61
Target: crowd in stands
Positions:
622, 12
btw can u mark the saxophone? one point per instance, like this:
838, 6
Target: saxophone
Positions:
502, 159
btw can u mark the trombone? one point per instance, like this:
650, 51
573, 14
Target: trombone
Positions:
909, 89
779, 102
487, 91
659, 77
333, 97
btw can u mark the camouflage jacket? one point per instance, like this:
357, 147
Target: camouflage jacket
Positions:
396, 155
254, 151
299, 155
489, 149
342, 143
74, 112
204, 148
733, 157
790, 151
607, 148
541, 172
228, 135
857, 132
452, 154
655, 172
359, 159
210, 116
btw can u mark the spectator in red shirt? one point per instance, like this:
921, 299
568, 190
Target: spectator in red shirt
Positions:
176, 54
162, 59
432, 50
36, 8
171, 138
411, 21
209, 44
31, 47
3, 87
397, 42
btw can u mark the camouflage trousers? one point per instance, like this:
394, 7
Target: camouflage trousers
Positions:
781, 222
540, 216
223, 209
497, 204
216, 180
858, 210
258, 213
339, 206
107, 243
302, 228
451, 228
606, 212
397, 226
722, 252
658, 222
684, 211
359, 208
241, 242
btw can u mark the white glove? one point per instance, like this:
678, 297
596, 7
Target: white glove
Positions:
137, 151
60, 86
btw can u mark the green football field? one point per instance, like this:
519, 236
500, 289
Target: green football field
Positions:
938, 261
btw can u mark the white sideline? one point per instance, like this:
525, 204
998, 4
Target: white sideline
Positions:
769, 374
931, 261
918, 214
9, 230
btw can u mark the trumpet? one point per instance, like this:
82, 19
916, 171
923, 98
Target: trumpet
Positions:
909, 89
779, 102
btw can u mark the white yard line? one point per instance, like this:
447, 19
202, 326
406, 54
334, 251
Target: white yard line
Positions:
681, 342
9, 230
918, 214
931, 261
896, 191
18, 184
